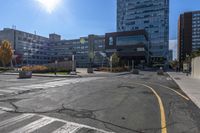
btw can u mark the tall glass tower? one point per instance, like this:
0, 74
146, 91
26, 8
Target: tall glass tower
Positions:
151, 15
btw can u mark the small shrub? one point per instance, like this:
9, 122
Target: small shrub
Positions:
115, 69
43, 69
36, 69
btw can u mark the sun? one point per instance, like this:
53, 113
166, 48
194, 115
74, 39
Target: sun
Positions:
49, 5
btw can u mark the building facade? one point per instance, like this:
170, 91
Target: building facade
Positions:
32, 48
151, 15
36, 50
130, 46
188, 34
64, 49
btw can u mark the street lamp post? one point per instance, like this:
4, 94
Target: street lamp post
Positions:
73, 72
56, 62
91, 52
111, 63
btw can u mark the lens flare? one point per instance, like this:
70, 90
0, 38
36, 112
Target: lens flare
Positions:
49, 5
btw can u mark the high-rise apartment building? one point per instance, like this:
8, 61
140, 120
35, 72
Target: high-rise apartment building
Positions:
151, 15
188, 34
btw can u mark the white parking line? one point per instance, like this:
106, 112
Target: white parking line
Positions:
15, 120
1, 112
34, 125
67, 128
54, 84
7, 90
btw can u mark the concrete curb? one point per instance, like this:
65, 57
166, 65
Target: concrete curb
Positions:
72, 76
193, 99
52, 76
178, 84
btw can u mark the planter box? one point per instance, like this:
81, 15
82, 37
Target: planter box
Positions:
90, 70
25, 74
160, 72
135, 71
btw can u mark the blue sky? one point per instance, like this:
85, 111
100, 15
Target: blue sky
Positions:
75, 18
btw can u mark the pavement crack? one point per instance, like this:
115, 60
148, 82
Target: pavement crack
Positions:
126, 86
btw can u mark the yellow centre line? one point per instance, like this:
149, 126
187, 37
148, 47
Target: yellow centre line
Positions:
162, 111
186, 98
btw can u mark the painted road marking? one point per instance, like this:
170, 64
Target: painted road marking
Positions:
162, 111
34, 125
15, 120
6, 109
67, 128
1, 112
7, 90
54, 84
169, 78
186, 98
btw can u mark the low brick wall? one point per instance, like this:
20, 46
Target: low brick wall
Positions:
196, 67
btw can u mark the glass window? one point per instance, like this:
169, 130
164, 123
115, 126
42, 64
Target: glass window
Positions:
110, 41
130, 40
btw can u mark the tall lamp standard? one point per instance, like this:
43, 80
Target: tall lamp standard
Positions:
73, 72
91, 52
56, 63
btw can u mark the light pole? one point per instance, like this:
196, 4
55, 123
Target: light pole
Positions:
56, 62
73, 72
111, 63
91, 52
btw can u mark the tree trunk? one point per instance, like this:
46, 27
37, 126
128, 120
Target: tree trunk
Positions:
3, 63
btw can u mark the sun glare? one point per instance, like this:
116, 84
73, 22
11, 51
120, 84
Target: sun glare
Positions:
49, 5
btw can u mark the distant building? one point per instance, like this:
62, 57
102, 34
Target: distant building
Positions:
54, 37
32, 48
170, 57
151, 15
130, 46
64, 49
35, 50
188, 34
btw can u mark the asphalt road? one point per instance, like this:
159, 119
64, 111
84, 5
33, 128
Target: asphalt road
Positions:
145, 103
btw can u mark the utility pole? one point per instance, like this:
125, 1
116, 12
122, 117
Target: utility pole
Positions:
73, 72
91, 53
111, 63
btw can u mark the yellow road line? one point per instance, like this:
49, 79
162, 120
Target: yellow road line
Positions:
186, 98
162, 111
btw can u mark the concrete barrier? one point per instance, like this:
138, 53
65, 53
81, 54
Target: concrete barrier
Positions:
195, 66
25, 74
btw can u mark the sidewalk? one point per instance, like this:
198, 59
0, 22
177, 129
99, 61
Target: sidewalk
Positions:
189, 85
